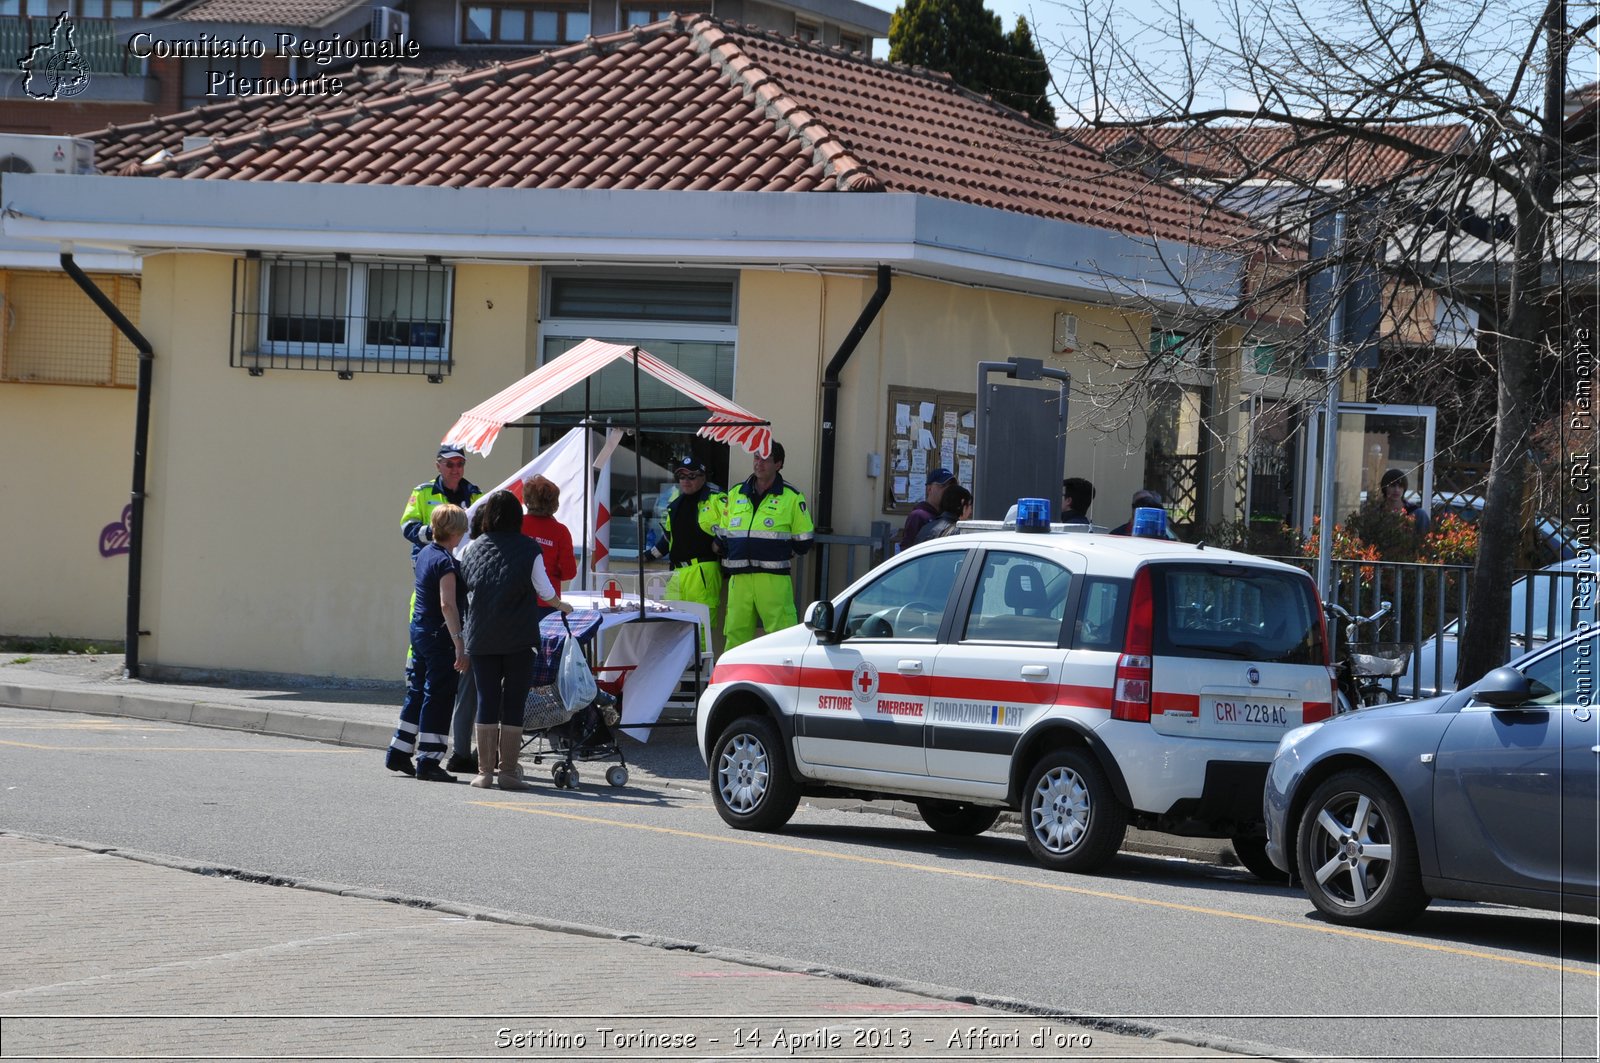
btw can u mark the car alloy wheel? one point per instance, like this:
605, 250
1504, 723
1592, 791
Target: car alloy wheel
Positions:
1072, 820
750, 782
1358, 860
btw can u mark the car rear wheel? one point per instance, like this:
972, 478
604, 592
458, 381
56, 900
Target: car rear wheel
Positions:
1070, 818
957, 817
750, 781
1251, 849
1357, 857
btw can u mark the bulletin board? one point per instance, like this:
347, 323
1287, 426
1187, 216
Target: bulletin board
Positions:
927, 429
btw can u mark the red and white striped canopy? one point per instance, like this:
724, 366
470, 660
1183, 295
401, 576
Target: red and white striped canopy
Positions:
729, 422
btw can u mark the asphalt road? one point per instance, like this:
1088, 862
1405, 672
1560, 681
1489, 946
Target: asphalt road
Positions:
1165, 943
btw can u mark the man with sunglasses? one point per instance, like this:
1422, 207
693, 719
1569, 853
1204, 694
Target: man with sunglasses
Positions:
688, 538
451, 485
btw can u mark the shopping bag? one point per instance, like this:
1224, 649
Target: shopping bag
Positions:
574, 681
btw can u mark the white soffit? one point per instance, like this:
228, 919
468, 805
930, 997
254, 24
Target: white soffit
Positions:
930, 237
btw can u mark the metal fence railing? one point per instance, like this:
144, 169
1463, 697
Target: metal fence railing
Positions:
836, 561
96, 41
1430, 605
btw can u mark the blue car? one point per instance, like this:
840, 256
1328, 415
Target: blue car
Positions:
1486, 794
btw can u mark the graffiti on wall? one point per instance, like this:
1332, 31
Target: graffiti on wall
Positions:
114, 537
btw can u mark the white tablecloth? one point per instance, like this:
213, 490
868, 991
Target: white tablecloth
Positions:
656, 654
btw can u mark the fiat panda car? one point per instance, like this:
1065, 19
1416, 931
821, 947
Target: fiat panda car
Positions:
1089, 682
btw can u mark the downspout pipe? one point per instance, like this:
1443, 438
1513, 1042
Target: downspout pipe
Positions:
830, 401
141, 441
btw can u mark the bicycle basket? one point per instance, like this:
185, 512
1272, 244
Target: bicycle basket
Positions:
544, 710
1379, 660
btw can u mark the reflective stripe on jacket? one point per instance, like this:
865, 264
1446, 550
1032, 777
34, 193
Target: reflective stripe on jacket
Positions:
763, 535
420, 506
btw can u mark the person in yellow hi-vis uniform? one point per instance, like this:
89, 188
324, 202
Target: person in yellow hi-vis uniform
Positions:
688, 540
766, 523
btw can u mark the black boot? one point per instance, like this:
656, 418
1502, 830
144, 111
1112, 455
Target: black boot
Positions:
463, 762
429, 771
400, 762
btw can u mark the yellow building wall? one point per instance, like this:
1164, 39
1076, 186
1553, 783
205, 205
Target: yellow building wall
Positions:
927, 335
274, 514
70, 458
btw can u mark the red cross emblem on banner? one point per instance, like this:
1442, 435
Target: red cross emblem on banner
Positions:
864, 682
613, 593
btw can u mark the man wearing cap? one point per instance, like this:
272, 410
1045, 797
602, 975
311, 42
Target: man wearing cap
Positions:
1144, 498
765, 525
928, 508
694, 510
451, 485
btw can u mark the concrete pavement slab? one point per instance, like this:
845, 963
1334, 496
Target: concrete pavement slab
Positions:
116, 955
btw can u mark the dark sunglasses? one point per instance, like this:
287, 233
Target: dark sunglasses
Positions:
689, 475
454, 463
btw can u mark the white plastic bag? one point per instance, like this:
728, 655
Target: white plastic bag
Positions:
574, 681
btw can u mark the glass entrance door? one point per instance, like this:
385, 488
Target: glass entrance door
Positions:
1371, 439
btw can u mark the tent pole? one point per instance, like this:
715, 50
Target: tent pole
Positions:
638, 481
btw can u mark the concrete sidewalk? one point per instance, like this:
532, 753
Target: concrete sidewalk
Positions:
364, 715
121, 955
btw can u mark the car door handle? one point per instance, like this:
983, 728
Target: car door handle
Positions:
910, 666
1035, 671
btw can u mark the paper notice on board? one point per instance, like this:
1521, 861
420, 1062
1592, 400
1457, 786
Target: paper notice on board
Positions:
919, 462
925, 440
902, 456
969, 420
927, 412
901, 488
902, 418
963, 444
964, 471
947, 453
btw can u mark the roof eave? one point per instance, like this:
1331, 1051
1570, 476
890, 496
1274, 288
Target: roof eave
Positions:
942, 239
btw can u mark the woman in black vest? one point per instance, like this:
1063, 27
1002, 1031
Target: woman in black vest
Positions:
506, 581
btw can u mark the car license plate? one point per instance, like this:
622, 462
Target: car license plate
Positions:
1250, 712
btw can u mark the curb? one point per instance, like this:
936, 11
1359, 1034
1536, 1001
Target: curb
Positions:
355, 733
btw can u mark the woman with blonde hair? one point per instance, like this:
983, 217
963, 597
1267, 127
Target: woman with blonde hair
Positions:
437, 651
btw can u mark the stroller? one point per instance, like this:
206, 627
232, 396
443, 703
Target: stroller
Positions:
565, 735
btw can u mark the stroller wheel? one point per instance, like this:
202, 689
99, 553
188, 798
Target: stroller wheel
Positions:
617, 775
559, 773
572, 777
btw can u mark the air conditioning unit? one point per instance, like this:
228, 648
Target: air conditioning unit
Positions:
25, 153
389, 23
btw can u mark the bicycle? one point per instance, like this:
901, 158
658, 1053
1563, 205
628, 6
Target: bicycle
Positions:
1363, 667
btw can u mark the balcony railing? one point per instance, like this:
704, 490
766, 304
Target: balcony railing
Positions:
99, 48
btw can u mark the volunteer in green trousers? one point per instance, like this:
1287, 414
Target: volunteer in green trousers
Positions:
688, 539
765, 525
452, 486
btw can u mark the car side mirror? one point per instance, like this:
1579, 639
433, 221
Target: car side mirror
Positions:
1504, 688
819, 621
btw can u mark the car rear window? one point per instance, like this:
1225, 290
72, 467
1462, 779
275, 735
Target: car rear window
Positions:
1233, 612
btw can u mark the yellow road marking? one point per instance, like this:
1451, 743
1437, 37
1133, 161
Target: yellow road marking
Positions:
172, 749
1339, 931
84, 725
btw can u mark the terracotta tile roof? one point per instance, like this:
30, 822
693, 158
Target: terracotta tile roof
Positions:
696, 103
122, 148
287, 13
1263, 151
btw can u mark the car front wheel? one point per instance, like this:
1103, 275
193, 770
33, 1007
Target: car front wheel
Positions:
1357, 857
750, 781
1070, 818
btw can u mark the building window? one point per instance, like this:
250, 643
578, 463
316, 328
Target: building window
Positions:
851, 43
114, 8
644, 14
1173, 349
51, 334
807, 31
342, 315
533, 23
688, 322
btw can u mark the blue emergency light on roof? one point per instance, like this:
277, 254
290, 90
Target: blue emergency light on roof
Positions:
1033, 515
